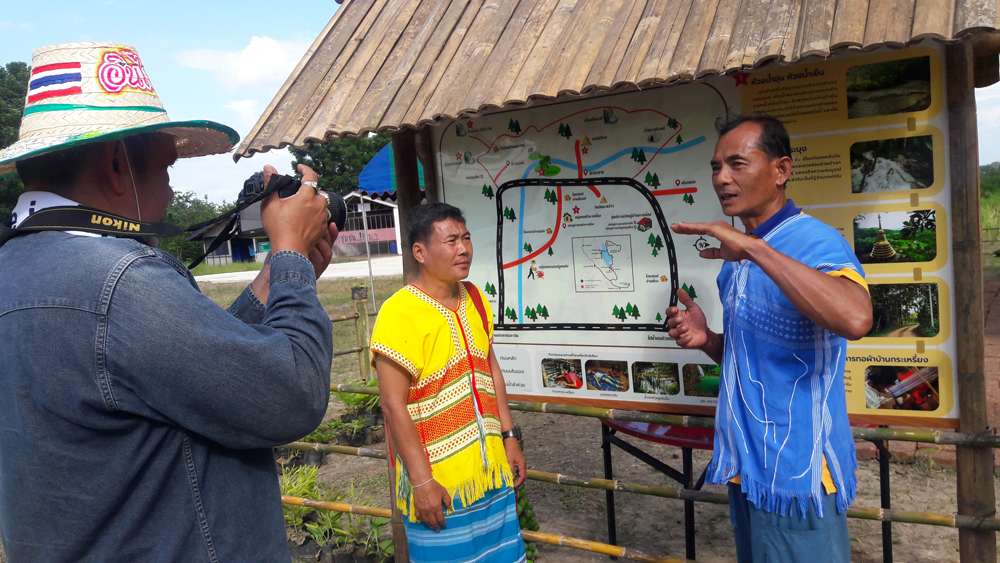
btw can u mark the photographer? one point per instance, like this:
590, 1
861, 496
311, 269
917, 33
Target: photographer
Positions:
136, 416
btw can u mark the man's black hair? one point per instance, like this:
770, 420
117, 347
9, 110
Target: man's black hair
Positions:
59, 169
773, 138
420, 223
882, 376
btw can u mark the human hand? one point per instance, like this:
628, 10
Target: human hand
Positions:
297, 222
689, 328
321, 254
261, 285
515, 458
733, 244
428, 501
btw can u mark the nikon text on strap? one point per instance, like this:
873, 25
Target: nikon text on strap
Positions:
87, 220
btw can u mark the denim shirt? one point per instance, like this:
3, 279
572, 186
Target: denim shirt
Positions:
136, 415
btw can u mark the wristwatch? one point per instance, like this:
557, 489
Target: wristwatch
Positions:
514, 432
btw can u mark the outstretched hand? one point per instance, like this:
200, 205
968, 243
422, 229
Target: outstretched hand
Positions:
733, 244
688, 327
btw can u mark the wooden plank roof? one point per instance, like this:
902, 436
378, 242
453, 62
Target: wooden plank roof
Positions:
385, 64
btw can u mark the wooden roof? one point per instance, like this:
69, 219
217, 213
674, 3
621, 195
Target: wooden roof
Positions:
385, 64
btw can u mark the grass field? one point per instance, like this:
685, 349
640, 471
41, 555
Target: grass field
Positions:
205, 269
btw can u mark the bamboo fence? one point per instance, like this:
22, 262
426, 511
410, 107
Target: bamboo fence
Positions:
873, 434
880, 514
576, 543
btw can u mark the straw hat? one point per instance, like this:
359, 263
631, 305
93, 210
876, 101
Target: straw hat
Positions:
84, 92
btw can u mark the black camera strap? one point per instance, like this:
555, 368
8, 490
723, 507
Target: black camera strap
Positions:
87, 220
278, 182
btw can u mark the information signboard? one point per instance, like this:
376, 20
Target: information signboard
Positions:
570, 204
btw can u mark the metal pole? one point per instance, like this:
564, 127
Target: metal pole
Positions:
368, 251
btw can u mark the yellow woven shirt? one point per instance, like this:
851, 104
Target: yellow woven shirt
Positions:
444, 351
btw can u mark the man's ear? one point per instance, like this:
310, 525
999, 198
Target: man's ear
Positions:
112, 166
783, 167
418, 252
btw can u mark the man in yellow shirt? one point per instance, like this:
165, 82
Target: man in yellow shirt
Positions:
453, 442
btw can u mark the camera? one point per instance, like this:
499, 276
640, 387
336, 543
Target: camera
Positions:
286, 186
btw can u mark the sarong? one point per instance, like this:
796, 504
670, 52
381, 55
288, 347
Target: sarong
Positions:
485, 531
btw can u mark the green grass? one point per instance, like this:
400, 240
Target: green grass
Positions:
205, 269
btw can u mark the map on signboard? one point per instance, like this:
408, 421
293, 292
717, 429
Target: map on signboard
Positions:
579, 235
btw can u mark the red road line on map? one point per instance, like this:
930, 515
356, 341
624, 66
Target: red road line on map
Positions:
675, 191
650, 161
555, 233
579, 167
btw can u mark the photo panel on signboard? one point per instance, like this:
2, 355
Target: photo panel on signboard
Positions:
892, 238
607, 375
562, 373
702, 380
896, 386
656, 378
905, 311
867, 166
867, 90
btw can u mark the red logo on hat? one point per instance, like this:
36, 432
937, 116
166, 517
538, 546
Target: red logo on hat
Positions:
119, 70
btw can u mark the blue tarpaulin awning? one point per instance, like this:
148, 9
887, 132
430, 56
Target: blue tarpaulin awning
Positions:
378, 179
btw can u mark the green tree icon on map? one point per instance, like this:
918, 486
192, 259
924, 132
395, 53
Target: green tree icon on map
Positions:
680, 140
527, 247
529, 312
655, 253
487, 191
550, 251
648, 180
635, 312
543, 311
635, 153
615, 311
656, 181
652, 240
622, 315
690, 290
642, 156
658, 317
511, 314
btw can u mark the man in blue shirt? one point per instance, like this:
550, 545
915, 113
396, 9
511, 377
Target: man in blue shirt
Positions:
793, 293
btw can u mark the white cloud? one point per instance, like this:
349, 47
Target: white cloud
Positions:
219, 178
27, 26
4, 24
248, 110
264, 62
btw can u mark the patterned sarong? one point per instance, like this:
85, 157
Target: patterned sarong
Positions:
486, 531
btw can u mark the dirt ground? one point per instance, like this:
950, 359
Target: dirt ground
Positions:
572, 446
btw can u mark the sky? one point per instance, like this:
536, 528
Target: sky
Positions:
224, 61
221, 61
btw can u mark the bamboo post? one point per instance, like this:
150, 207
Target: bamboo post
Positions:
871, 434
361, 344
425, 152
862, 513
576, 543
976, 497
404, 150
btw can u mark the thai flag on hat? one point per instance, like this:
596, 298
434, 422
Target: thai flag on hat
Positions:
49, 81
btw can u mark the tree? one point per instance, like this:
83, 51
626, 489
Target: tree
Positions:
655, 253
635, 153
512, 216
659, 317
550, 251
562, 129
642, 156
692, 292
487, 191
13, 89
628, 308
918, 221
529, 312
187, 209
635, 312
339, 162
545, 311
679, 140
615, 311
517, 126
649, 178
527, 247
656, 181
659, 242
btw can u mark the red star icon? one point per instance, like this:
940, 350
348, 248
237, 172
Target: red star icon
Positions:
740, 77
576, 210
541, 274
541, 172
584, 150
458, 156
469, 125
